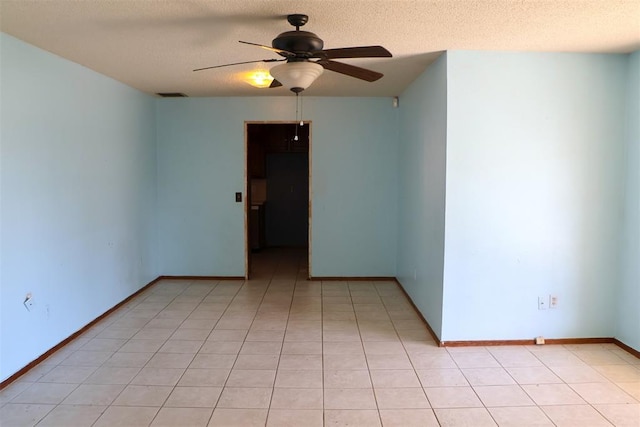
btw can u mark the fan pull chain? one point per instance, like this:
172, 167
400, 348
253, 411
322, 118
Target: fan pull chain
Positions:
301, 110
295, 138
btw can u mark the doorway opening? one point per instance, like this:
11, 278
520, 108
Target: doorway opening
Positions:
278, 204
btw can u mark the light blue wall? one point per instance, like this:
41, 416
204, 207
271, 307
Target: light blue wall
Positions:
535, 146
201, 166
421, 190
628, 310
78, 195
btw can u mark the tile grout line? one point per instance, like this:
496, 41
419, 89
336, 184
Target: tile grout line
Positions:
169, 338
514, 381
243, 343
195, 354
156, 352
424, 392
366, 359
130, 308
101, 365
273, 387
609, 381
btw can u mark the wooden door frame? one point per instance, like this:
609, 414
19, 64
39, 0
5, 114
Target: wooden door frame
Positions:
247, 190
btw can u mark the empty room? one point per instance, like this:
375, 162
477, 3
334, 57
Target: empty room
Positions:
319, 213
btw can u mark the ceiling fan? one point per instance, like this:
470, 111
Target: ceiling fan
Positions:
306, 59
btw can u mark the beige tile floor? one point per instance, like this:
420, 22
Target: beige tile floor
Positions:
283, 351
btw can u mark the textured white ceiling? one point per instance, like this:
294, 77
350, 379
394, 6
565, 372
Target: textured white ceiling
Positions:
153, 45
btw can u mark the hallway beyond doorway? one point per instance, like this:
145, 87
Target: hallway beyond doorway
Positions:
280, 263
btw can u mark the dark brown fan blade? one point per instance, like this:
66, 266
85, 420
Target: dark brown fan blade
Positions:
272, 49
240, 63
354, 52
351, 70
275, 83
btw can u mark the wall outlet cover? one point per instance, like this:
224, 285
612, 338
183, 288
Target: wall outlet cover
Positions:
540, 340
542, 303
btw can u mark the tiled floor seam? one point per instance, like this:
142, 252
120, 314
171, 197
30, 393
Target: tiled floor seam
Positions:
273, 388
173, 388
373, 389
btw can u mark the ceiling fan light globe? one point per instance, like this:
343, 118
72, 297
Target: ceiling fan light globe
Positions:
298, 75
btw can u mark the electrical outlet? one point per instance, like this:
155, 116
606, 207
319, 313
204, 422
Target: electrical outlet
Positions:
540, 340
542, 303
553, 301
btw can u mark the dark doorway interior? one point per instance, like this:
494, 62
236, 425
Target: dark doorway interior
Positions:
278, 184
287, 210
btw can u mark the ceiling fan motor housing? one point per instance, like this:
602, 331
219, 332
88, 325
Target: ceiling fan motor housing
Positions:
298, 42
299, 48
